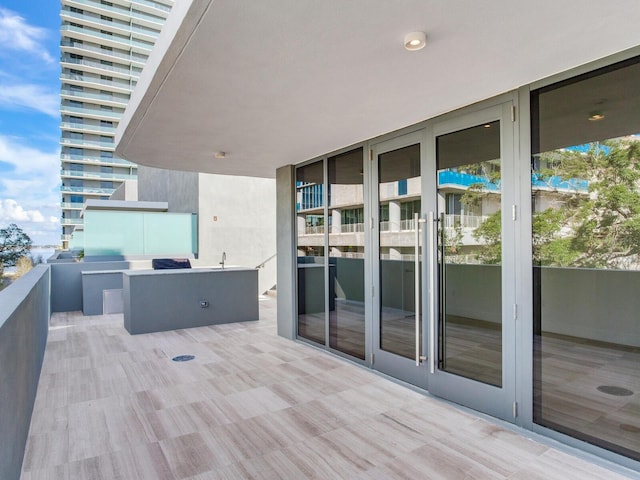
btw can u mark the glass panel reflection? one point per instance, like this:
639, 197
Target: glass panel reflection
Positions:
586, 257
399, 196
470, 253
346, 253
310, 250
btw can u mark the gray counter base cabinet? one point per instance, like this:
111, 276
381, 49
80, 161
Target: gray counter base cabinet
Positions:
161, 300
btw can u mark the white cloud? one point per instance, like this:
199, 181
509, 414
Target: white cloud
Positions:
29, 193
16, 34
28, 161
31, 96
43, 229
11, 212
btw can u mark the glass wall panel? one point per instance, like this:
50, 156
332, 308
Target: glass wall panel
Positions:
310, 251
399, 193
586, 257
139, 233
346, 253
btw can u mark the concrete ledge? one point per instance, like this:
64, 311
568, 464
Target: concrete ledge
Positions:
24, 323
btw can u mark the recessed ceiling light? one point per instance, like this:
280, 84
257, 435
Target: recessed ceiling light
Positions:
220, 154
596, 116
415, 41
487, 125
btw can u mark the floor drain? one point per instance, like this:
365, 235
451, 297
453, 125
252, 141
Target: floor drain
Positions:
629, 428
183, 358
617, 391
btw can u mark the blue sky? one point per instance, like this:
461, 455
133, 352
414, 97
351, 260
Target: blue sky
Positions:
29, 118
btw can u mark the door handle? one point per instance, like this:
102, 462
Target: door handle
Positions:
432, 291
416, 268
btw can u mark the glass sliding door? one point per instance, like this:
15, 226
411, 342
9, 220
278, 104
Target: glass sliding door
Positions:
310, 201
398, 330
586, 257
346, 253
470, 248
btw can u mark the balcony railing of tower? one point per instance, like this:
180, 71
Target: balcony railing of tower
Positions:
94, 175
122, 86
94, 64
90, 190
94, 96
131, 56
114, 24
87, 128
92, 159
117, 39
151, 3
91, 111
117, 9
88, 143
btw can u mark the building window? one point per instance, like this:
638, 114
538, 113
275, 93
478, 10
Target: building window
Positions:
105, 184
106, 154
402, 187
106, 169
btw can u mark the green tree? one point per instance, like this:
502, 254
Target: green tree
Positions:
490, 232
598, 229
14, 244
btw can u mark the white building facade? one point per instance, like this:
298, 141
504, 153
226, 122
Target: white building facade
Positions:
104, 46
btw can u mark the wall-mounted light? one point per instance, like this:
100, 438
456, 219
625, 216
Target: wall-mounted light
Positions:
415, 41
220, 155
596, 116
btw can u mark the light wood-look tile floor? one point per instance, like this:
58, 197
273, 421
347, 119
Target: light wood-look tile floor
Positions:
252, 405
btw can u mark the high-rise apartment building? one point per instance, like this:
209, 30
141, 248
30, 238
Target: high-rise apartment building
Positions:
104, 45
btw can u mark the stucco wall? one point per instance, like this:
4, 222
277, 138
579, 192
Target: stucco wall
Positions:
178, 189
24, 323
237, 215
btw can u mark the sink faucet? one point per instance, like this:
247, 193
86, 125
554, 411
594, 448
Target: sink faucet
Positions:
224, 258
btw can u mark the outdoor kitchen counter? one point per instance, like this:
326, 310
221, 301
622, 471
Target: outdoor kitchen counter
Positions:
160, 300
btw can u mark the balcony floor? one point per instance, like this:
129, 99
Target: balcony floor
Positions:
252, 405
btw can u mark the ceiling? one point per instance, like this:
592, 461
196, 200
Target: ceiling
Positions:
279, 82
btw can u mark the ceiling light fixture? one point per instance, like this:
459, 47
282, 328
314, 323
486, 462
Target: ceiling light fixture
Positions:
415, 41
220, 154
596, 116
